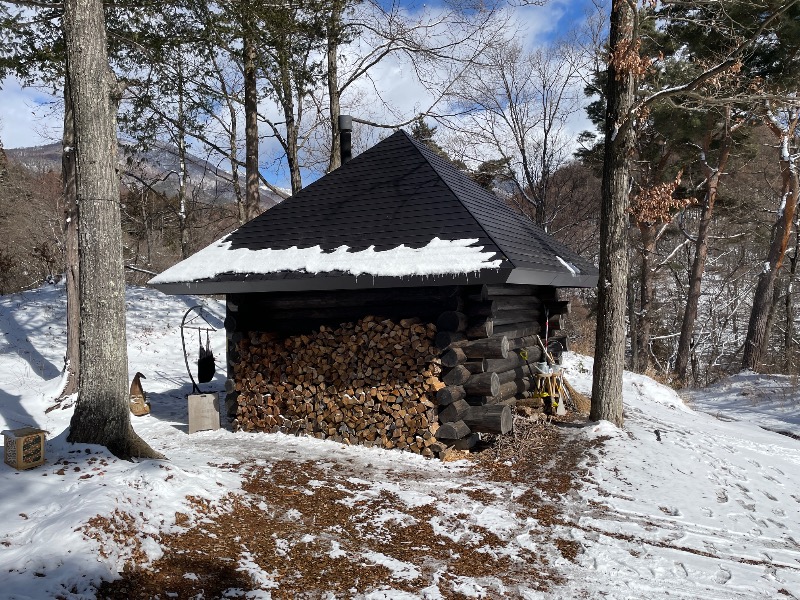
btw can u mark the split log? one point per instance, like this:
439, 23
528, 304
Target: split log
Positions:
483, 384
453, 411
496, 347
448, 395
494, 418
451, 321
458, 375
453, 431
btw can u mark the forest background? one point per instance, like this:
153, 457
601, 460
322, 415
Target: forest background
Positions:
503, 90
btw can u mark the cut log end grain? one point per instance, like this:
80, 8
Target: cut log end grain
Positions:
372, 382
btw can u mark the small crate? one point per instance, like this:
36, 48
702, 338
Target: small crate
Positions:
24, 448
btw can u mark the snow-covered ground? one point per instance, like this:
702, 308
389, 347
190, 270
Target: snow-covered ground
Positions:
697, 501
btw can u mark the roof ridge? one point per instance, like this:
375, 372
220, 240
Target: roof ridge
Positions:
423, 150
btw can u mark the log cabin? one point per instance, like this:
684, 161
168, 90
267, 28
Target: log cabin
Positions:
389, 303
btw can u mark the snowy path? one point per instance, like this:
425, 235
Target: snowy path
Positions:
711, 510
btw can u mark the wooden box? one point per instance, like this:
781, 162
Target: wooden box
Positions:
24, 448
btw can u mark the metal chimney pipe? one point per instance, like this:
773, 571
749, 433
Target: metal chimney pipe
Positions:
345, 137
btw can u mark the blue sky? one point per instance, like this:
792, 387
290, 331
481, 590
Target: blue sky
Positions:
30, 117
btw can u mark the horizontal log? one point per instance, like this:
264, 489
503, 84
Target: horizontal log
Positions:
516, 330
453, 431
446, 297
451, 320
498, 365
445, 339
338, 314
493, 418
448, 395
467, 443
458, 375
513, 375
496, 347
481, 329
509, 317
453, 411
476, 366
532, 402
488, 291
483, 384
453, 357
497, 305
507, 390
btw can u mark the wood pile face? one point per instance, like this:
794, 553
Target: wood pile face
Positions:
373, 382
423, 383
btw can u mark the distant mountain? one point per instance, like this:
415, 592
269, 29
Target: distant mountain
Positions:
157, 167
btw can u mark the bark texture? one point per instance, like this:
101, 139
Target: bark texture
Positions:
251, 193
72, 358
102, 413
612, 288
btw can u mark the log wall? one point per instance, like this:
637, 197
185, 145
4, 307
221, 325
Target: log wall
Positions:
420, 369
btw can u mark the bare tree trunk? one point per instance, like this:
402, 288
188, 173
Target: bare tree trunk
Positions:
252, 198
755, 341
701, 250
72, 358
788, 340
102, 413
633, 323
645, 317
619, 141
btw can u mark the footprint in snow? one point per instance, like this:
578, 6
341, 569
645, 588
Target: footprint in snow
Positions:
670, 510
777, 524
746, 506
778, 512
680, 570
707, 511
722, 496
722, 576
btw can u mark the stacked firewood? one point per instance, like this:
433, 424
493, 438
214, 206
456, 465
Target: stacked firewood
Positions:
372, 382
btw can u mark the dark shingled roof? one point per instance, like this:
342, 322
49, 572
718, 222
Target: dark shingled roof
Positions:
398, 192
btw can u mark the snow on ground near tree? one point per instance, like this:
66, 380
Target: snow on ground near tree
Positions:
681, 503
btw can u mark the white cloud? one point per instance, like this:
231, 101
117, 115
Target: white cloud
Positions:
29, 117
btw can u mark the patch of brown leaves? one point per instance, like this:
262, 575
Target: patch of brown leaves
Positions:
315, 531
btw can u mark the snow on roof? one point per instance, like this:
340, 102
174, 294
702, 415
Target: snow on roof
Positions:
438, 257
